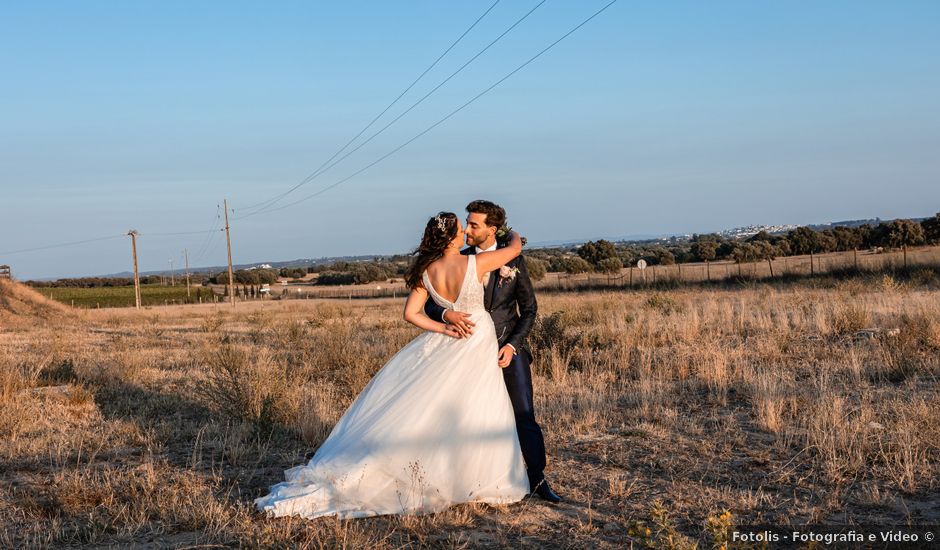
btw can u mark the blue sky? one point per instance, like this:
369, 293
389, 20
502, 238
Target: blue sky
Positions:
663, 117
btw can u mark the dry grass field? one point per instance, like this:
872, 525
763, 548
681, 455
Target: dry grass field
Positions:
668, 416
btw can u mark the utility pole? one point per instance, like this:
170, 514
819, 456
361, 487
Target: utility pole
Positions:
172, 274
228, 245
186, 257
133, 234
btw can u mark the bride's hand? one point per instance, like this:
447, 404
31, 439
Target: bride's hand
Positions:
449, 330
514, 235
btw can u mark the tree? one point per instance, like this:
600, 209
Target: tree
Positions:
760, 236
594, 252
931, 229
898, 233
574, 265
826, 242
847, 238
663, 256
744, 252
763, 250
536, 267
803, 240
610, 265
247, 276
704, 251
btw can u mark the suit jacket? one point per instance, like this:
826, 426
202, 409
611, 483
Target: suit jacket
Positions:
511, 304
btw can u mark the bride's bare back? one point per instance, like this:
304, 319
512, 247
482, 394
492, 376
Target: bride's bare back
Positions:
447, 275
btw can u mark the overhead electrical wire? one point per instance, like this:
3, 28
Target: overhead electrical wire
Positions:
329, 162
265, 207
439, 122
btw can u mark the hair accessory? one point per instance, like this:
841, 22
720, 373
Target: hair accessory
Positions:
441, 223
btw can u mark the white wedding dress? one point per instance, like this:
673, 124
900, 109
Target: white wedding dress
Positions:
433, 428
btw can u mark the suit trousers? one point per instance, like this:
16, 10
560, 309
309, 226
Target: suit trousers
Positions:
518, 378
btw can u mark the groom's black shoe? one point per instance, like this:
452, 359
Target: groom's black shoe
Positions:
543, 490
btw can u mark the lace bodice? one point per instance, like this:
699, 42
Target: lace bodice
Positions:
470, 298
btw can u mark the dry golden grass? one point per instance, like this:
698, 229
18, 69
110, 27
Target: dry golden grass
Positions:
668, 415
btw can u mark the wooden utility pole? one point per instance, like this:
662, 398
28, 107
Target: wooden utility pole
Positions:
228, 245
133, 234
172, 274
186, 259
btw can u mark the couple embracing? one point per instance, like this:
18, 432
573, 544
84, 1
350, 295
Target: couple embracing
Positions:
449, 418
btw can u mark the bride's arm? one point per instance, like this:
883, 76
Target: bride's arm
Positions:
495, 259
414, 314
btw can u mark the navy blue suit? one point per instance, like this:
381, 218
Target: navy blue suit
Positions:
513, 307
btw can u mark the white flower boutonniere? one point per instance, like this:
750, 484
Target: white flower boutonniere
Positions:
507, 273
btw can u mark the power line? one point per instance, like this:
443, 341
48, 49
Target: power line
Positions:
323, 167
210, 243
441, 121
203, 232
72, 243
210, 238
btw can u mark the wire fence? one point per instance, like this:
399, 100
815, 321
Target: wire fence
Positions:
788, 266
687, 273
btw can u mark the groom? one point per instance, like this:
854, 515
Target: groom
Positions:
510, 300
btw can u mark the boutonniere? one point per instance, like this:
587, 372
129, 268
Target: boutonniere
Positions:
507, 273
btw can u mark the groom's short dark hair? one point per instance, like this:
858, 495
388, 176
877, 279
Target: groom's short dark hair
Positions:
495, 215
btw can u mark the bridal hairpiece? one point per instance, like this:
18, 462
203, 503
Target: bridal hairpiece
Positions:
441, 223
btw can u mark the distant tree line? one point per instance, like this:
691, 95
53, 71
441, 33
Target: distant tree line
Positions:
246, 277
358, 273
607, 257
593, 256
350, 273
99, 282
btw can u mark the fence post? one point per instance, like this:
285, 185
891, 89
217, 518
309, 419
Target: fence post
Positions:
771, 264
905, 256
708, 271
855, 253
812, 266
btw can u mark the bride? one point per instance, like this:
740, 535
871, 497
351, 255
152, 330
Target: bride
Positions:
435, 426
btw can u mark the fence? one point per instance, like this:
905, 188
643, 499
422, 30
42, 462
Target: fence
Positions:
348, 293
788, 266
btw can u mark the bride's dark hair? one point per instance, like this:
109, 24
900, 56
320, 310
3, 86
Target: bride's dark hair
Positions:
438, 233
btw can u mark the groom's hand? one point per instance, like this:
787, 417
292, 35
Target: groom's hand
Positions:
505, 356
460, 321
